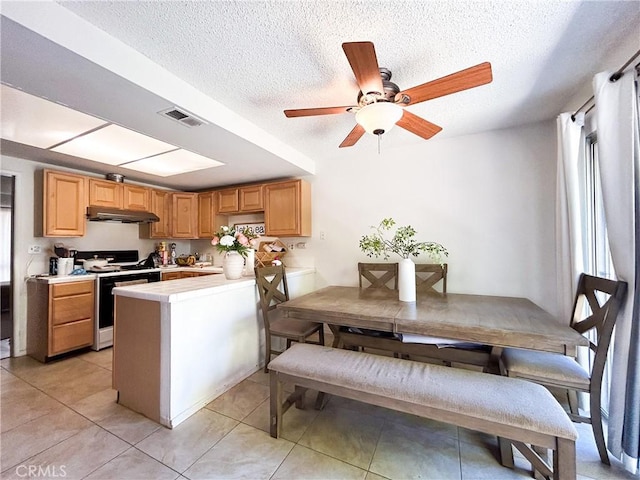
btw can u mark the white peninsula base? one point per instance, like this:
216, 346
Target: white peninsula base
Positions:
180, 344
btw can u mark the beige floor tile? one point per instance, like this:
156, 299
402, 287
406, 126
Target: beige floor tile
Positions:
182, 446
259, 377
133, 465
588, 460
74, 388
241, 400
347, 435
24, 405
480, 462
374, 476
294, 422
43, 375
405, 452
129, 425
304, 463
28, 439
102, 358
245, 452
79, 455
99, 405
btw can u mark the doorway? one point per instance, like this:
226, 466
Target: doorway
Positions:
7, 188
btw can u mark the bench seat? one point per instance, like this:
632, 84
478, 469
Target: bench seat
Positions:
523, 412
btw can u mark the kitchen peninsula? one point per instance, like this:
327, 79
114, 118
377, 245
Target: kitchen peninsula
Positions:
180, 344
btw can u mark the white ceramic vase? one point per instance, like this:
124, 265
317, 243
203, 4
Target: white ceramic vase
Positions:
407, 280
233, 265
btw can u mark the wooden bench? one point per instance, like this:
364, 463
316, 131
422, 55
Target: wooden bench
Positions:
522, 412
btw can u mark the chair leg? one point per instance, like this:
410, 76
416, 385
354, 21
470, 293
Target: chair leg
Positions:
267, 348
321, 335
596, 425
572, 396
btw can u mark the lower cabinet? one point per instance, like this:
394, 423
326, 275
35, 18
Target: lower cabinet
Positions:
182, 274
60, 317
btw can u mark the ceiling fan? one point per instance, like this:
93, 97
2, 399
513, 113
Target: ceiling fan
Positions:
380, 102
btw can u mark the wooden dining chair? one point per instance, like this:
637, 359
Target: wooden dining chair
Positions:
428, 275
595, 309
378, 275
273, 289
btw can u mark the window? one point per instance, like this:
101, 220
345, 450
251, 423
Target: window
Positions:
597, 254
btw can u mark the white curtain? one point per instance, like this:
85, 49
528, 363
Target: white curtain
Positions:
569, 214
618, 154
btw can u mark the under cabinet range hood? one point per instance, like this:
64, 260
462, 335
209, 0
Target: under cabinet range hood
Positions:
104, 214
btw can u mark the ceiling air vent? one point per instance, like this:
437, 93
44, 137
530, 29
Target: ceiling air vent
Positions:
183, 117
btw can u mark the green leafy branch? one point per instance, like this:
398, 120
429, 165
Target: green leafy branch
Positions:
402, 243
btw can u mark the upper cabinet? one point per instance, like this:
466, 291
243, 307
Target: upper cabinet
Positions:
209, 221
160, 204
64, 204
287, 209
184, 215
136, 197
241, 199
105, 193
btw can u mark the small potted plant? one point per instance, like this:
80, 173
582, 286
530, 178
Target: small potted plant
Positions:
235, 244
403, 244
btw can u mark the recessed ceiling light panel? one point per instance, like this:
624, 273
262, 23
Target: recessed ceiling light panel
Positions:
40, 123
173, 163
113, 145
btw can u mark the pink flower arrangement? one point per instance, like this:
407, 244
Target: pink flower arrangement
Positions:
231, 240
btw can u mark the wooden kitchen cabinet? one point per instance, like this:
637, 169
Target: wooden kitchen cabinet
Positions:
246, 199
171, 276
209, 220
182, 274
287, 209
64, 204
104, 193
159, 203
136, 197
60, 317
184, 215
228, 201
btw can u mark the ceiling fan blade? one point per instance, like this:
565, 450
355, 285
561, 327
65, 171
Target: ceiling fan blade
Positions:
353, 137
308, 112
363, 61
456, 82
417, 125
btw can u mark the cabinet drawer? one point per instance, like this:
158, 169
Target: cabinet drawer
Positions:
71, 288
71, 336
69, 309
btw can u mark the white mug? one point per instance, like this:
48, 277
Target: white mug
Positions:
65, 266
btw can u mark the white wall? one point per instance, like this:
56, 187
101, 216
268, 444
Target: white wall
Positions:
99, 236
488, 198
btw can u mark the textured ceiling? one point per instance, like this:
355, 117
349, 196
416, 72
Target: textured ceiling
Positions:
260, 57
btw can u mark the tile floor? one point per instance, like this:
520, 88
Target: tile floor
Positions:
60, 420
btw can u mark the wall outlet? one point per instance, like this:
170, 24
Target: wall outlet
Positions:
290, 246
35, 249
301, 245
322, 236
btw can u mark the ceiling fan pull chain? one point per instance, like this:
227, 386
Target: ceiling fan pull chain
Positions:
379, 136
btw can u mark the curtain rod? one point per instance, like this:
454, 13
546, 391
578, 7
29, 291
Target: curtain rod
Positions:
613, 78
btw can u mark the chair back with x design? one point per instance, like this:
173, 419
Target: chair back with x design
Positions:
428, 275
269, 280
378, 275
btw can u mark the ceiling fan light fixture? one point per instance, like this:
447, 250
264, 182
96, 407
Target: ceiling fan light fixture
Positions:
378, 118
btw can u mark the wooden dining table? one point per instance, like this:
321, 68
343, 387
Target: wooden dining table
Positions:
490, 320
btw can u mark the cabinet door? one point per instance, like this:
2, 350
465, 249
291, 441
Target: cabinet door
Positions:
209, 221
287, 211
228, 200
65, 202
251, 199
171, 275
136, 198
184, 214
103, 193
160, 204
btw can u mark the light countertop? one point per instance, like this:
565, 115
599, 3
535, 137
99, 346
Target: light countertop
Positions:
63, 278
187, 288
